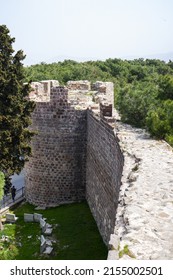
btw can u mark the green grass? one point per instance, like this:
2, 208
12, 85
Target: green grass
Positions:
74, 230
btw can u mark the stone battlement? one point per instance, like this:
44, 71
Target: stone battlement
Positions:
79, 92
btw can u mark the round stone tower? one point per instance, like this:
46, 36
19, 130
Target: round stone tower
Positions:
55, 173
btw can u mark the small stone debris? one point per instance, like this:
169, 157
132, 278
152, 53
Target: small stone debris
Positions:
40, 208
4, 238
30, 236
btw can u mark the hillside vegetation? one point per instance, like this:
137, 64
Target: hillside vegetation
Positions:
143, 88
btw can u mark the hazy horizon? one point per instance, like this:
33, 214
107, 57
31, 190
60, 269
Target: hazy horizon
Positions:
60, 58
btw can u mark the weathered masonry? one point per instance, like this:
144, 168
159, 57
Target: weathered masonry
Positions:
125, 175
76, 154
103, 173
56, 172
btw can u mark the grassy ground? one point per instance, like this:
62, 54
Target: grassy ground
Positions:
74, 231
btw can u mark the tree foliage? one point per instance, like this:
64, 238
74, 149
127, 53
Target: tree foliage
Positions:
143, 88
160, 121
15, 108
135, 100
166, 87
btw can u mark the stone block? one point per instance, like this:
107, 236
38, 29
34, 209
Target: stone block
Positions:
37, 217
11, 218
42, 225
48, 242
48, 225
42, 222
40, 208
43, 244
42, 238
48, 231
48, 250
28, 217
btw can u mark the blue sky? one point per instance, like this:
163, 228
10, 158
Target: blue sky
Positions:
52, 30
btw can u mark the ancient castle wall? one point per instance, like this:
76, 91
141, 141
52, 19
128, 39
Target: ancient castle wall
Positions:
103, 173
76, 154
56, 171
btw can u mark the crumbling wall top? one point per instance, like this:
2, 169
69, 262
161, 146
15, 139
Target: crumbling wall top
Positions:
41, 90
78, 94
79, 85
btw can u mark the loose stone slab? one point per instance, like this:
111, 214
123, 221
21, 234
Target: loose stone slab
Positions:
48, 250
40, 208
28, 217
48, 242
48, 231
48, 225
43, 244
11, 218
37, 217
42, 239
42, 225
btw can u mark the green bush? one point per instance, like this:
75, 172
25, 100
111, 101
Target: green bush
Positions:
134, 101
160, 121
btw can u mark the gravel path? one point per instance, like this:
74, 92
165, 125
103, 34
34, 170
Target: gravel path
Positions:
145, 211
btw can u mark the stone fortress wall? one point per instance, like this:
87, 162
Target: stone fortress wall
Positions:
82, 150
103, 173
75, 154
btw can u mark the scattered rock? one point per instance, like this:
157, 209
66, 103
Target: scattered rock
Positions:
48, 242
40, 208
65, 247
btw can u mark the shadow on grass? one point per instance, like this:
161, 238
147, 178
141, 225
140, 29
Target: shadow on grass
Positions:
74, 231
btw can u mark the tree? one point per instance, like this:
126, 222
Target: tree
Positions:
15, 108
160, 121
135, 100
166, 87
